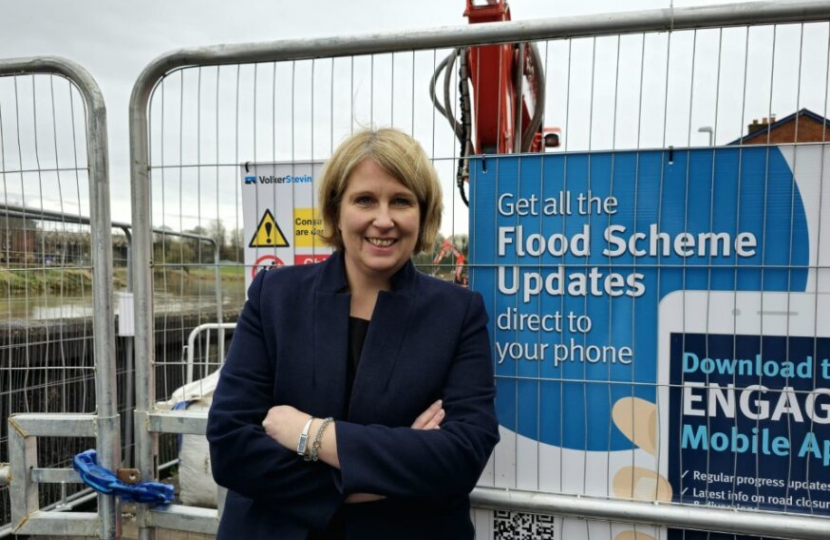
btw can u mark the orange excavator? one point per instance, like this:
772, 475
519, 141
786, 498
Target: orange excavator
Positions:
501, 91
459, 277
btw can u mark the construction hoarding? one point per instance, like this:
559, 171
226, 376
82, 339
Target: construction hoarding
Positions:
660, 326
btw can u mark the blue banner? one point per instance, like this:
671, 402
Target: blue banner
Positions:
580, 257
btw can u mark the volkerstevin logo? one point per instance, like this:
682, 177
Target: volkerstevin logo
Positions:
288, 179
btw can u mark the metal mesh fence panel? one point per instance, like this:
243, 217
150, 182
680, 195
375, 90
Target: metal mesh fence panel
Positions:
55, 353
46, 346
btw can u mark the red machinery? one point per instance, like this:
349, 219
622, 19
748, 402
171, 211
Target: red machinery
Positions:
501, 90
458, 273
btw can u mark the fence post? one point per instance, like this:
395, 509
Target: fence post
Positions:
146, 443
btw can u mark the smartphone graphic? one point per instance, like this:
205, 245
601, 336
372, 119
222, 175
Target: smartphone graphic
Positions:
743, 400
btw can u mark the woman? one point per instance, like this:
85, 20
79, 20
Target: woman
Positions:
325, 422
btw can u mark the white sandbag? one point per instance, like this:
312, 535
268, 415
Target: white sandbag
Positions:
196, 485
201, 389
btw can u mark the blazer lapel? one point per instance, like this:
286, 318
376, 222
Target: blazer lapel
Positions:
331, 339
331, 336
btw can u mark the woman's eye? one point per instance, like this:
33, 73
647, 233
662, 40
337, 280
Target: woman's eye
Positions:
363, 200
402, 201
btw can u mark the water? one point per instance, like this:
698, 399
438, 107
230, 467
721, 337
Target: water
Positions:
195, 295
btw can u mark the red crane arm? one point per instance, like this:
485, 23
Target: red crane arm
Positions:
495, 73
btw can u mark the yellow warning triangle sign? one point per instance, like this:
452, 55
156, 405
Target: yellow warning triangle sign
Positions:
268, 233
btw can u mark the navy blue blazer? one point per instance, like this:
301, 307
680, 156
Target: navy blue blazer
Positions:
427, 340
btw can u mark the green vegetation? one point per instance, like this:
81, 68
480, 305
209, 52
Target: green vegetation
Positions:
18, 281
12, 283
74, 281
227, 272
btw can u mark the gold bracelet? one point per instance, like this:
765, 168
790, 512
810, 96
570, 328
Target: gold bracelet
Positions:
318, 439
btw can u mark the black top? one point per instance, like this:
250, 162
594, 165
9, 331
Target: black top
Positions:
336, 528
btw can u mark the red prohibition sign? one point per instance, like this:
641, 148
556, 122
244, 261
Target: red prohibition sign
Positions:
266, 262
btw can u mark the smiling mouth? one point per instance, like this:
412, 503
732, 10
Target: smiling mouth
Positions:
381, 242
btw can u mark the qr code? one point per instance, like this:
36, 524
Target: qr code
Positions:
521, 526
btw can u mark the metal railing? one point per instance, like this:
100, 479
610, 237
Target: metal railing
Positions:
191, 345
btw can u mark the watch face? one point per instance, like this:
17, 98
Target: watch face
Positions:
302, 444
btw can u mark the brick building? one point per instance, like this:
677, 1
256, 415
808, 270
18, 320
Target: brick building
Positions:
811, 127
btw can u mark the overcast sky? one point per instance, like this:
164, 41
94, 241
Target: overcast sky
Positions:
116, 39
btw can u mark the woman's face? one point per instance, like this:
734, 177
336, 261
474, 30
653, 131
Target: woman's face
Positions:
379, 221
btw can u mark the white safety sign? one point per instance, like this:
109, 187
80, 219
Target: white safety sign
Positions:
280, 215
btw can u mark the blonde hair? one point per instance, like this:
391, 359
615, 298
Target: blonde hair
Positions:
399, 155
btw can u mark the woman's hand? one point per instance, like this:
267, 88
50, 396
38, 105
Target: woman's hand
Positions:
284, 424
429, 419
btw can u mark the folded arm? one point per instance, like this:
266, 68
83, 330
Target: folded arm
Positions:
407, 462
243, 457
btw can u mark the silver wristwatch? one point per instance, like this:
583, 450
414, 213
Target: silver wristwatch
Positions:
302, 444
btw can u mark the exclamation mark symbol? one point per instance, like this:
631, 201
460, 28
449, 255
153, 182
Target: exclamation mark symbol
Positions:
268, 228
